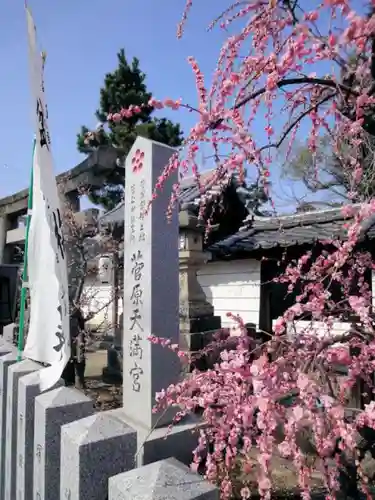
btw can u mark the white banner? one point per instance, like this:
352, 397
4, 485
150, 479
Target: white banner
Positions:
48, 339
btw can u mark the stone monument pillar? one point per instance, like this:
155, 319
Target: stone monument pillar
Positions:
196, 313
69, 205
3, 237
151, 304
150, 281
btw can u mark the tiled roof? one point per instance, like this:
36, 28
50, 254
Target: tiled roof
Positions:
189, 195
286, 231
190, 191
114, 216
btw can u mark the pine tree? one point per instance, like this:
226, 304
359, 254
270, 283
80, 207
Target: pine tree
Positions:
123, 87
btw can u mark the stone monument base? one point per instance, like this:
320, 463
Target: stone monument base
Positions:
163, 442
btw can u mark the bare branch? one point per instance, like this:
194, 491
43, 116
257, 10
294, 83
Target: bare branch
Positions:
325, 82
295, 122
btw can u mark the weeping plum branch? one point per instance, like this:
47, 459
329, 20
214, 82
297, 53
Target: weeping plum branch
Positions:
269, 62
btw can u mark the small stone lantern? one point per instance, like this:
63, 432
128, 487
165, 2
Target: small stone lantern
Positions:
196, 313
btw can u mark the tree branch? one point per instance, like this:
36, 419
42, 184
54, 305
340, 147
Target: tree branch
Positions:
290, 81
298, 81
92, 314
291, 9
337, 339
277, 144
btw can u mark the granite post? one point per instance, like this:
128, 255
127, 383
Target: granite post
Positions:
166, 479
6, 348
92, 450
151, 302
5, 362
8, 333
53, 409
28, 390
15, 371
70, 203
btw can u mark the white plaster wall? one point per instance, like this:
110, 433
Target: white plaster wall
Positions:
233, 286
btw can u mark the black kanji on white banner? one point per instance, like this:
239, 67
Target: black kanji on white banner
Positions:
43, 132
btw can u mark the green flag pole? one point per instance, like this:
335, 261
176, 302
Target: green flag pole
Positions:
25, 271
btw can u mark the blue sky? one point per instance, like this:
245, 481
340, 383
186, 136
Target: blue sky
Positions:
81, 39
